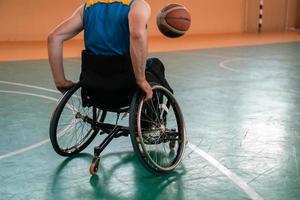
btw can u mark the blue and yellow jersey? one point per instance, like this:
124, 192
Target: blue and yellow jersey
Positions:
106, 30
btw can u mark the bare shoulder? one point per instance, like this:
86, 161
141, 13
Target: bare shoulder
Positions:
141, 7
141, 4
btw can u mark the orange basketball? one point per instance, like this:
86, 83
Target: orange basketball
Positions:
173, 20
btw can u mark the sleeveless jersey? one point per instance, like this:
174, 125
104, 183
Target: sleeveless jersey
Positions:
105, 23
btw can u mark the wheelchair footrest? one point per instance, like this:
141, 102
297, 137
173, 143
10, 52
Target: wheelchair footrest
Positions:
122, 134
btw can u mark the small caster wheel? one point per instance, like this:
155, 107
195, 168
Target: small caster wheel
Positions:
94, 165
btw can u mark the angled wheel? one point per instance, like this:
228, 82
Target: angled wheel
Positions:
69, 132
157, 130
94, 166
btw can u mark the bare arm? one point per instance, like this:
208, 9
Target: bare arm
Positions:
64, 31
138, 18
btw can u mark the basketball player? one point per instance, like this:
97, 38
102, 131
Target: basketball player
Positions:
111, 28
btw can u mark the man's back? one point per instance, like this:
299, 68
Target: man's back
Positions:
138, 16
106, 30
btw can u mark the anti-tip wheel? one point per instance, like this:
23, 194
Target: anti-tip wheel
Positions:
94, 166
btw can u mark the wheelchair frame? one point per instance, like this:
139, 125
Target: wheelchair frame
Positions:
175, 139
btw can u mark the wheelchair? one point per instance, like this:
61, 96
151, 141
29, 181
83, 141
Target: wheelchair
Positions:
156, 127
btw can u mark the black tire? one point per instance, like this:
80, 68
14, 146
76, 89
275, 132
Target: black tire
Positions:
70, 134
157, 130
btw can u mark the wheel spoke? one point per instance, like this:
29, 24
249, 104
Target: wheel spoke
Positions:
165, 117
72, 134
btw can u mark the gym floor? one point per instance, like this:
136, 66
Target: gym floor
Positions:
242, 113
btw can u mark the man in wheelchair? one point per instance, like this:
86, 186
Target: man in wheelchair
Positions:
114, 65
115, 36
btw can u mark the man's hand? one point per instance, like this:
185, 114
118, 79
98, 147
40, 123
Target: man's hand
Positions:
144, 85
65, 85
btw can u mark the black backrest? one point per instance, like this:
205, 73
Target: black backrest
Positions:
108, 81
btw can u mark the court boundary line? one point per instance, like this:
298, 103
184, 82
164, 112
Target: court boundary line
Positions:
231, 58
28, 148
232, 176
29, 86
223, 65
25, 149
29, 94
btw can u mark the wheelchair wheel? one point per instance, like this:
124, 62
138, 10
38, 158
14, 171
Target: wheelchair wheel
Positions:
69, 132
157, 130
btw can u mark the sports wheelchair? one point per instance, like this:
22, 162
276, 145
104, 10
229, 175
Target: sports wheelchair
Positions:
156, 127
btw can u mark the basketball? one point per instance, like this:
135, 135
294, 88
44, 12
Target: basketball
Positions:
173, 20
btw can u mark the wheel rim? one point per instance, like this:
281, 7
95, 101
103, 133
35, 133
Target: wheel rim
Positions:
160, 129
72, 132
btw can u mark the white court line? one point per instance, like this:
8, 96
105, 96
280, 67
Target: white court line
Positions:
29, 86
19, 151
34, 87
223, 64
264, 58
29, 94
23, 150
233, 177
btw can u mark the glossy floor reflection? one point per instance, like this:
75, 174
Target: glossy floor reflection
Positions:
241, 107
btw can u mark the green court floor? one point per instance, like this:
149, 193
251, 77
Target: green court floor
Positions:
242, 113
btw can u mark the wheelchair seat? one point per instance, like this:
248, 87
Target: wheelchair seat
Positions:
109, 83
